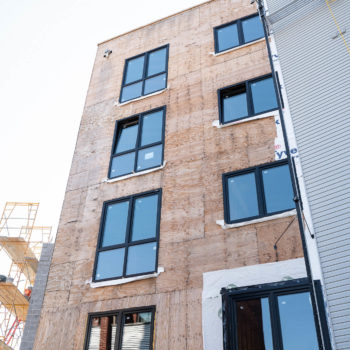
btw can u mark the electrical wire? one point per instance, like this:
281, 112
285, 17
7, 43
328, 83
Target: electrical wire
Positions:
337, 25
286, 229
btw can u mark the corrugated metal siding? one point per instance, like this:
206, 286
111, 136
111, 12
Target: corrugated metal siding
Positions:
316, 71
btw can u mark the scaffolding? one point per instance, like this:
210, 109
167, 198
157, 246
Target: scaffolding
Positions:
22, 242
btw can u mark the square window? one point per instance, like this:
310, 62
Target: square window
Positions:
129, 236
227, 37
270, 317
263, 95
145, 74
121, 330
252, 29
257, 192
247, 99
237, 33
138, 143
234, 103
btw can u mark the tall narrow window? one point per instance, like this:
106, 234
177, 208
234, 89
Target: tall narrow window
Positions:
121, 330
237, 33
257, 192
247, 99
129, 236
138, 143
145, 74
271, 317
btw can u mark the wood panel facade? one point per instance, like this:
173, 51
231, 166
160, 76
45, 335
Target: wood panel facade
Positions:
196, 155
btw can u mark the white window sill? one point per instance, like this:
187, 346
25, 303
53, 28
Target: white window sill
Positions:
236, 48
135, 174
255, 221
124, 280
116, 103
216, 123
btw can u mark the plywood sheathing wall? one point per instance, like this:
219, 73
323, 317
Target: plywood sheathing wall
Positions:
197, 154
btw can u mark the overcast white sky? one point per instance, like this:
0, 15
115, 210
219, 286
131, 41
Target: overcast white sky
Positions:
47, 50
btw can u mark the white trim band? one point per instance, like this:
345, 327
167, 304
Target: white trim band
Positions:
116, 103
124, 280
237, 47
255, 221
135, 174
216, 123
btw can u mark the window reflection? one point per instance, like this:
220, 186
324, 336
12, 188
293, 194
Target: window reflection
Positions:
114, 229
252, 29
122, 330
253, 325
137, 331
129, 237
247, 99
297, 322
235, 106
134, 69
138, 144
278, 189
238, 33
264, 95
271, 318
227, 37
103, 333
127, 137
144, 74
243, 200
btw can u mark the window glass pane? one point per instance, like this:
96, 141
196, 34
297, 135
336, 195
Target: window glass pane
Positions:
149, 157
115, 224
264, 96
127, 138
141, 258
155, 84
131, 91
134, 69
137, 331
103, 332
227, 37
110, 264
242, 196
235, 107
152, 127
122, 165
145, 217
156, 62
252, 29
297, 322
278, 189
254, 325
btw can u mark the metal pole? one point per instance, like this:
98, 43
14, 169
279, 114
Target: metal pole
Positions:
293, 175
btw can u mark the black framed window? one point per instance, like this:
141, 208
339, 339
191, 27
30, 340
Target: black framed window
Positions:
237, 33
129, 236
121, 330
145, 74
276, 316
247, 99
256, 192
138, 143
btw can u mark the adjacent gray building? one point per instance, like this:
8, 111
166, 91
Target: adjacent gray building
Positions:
312, 38
37, 298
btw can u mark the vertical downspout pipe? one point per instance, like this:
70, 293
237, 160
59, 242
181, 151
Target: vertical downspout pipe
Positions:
291, 168
293, 174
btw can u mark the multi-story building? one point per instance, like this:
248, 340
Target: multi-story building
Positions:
311, 48
179, 228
